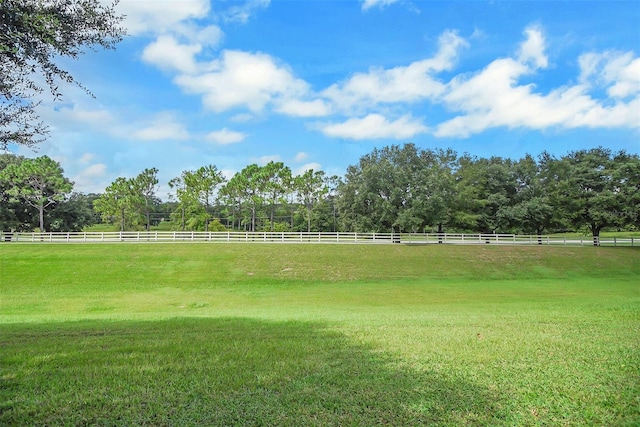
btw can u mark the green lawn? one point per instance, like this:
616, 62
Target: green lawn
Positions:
326, 335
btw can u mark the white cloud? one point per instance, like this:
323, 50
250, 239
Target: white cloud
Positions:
266, 159
532, 49
166, 53
619, 72
493, 98
210, 35
96, 170
163, 127
91, 179
86, 158
403, 84
76, 115
493, 85
375, 126
76, 118
242, 118
241, 79
299, 108
368, 4
242, 12
156, 17
599, 116
301, 157
626, 80
226, 136
307, 167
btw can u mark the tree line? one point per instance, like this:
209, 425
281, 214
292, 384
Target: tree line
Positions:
398, 188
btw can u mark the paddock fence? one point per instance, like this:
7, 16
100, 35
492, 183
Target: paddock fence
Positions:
313, 237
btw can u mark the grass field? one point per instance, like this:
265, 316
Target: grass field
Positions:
319, 335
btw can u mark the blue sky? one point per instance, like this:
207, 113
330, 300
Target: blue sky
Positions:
317, 84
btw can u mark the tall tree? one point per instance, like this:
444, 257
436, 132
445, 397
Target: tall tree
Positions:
310, 187
248, 186
627, 177
185, 198
483, 186
196, 192
398, 188
38, 182
203, 184
14, 215
146, 185
232, 196
34, 34
592, 190
529, 209
432, 189
72, 214
333, 186
376, 190
278, 183
119, 202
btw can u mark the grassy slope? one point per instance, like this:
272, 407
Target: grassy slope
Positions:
319, 335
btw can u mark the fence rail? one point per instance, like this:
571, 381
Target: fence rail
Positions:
314, 237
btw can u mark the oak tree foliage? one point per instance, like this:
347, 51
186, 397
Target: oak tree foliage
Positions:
39, 183
34, 36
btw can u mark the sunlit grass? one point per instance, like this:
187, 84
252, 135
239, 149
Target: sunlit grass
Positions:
268, 334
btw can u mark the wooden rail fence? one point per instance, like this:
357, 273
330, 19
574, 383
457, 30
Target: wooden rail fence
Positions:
313, 237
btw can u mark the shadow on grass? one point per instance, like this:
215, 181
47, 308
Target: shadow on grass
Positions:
219, 372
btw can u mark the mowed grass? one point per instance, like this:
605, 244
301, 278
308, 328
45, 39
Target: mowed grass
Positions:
325, 335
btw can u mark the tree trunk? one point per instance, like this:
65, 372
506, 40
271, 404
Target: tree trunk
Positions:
595, 231
253, 219
272, 214
41, 215
395, 238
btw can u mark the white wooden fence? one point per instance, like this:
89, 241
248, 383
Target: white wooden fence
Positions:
313, 237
